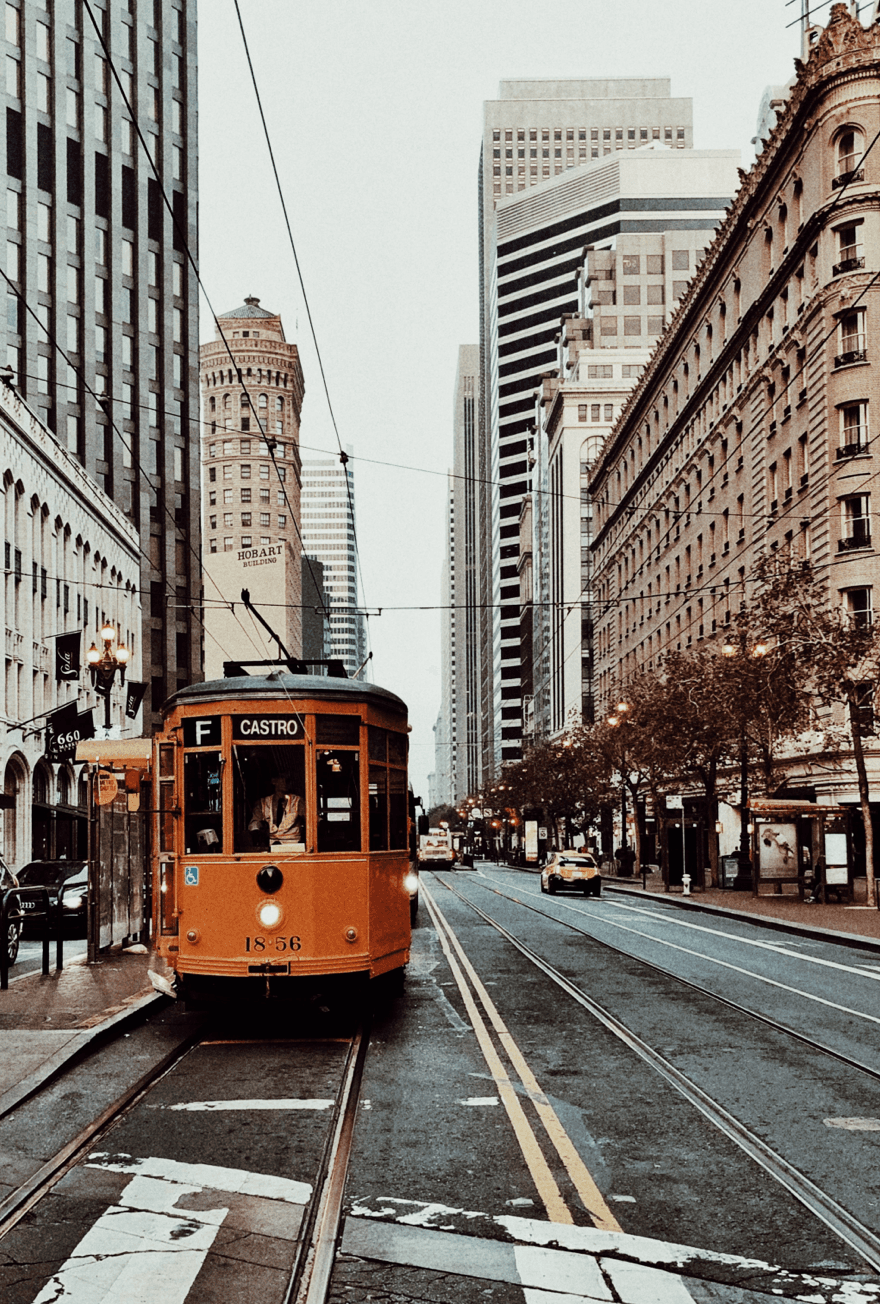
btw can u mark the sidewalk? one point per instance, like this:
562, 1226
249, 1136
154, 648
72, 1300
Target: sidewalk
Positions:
46, 1021
855, 925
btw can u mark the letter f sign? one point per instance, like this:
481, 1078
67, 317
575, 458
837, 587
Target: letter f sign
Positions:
203, 731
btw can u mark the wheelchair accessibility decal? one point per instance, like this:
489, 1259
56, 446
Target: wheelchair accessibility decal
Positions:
191, 875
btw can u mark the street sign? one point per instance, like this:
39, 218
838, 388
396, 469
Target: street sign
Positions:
675, 803
106, 787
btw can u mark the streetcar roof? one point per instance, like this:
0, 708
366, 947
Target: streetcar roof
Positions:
281, 685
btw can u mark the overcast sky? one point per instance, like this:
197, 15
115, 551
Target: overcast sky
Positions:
375, 112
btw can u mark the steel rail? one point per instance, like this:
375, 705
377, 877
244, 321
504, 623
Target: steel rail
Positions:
313, 1267
818, 1202
31, 1191
840, 1055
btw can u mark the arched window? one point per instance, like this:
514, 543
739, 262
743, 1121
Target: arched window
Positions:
226, 400
63, 788
264, 401
279, 404
41, 784
82, 793
849, 151
212, 404
245, 401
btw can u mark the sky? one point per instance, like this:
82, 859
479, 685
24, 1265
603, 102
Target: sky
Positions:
375, 112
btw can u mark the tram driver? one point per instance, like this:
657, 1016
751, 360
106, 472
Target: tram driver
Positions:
281, 813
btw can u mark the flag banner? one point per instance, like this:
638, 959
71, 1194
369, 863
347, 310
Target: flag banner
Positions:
134, 695
62, 733
67, 656
85, 723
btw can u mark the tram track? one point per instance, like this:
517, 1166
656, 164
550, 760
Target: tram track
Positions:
314, 1244
859, 1237
736, 1006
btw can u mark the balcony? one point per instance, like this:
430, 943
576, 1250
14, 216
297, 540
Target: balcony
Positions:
849, 356
850, 264
850, 450
860, 540
845, 178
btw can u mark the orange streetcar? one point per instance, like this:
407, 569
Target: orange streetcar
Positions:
281, 852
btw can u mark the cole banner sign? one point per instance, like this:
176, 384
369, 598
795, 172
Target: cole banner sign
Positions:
67, 656
134, 695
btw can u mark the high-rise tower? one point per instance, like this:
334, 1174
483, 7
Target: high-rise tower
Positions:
101, 327
328, 527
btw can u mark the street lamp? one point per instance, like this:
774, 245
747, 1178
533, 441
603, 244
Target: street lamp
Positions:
104, 665
619, 718
731, 649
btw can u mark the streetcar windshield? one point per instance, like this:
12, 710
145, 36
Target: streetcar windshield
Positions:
270, 797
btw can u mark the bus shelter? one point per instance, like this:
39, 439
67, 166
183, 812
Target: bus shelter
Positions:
795, 841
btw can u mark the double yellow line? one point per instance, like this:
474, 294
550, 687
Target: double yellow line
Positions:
545, 1182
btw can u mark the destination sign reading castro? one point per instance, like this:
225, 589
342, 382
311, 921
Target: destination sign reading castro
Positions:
207, 730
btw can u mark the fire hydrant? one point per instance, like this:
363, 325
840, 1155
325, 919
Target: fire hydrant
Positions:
685, 884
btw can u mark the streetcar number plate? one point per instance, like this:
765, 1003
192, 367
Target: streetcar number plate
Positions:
263, 944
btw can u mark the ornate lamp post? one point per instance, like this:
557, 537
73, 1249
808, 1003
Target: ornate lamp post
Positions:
104, 665
730, 649
615, 720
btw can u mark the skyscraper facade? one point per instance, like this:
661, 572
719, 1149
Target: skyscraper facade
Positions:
534, 132
101, 327
252, 390
329, 533
461, 586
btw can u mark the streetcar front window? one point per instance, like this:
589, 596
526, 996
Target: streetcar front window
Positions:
203, 810
339, 808
270, 788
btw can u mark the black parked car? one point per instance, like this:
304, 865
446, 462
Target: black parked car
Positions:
8, 880
65, 879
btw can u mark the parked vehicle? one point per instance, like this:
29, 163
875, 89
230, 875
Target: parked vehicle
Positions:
435, 848
577, 870
67, 881
13, 933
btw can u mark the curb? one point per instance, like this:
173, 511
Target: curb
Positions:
853, 940
79, 1042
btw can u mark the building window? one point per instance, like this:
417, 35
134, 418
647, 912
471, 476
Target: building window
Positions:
849, 248
853, 429
856, 522
849, 153
595, 412
246, 520
227, 520
858, 606
582, 411
245, 470
608, 414
246, 541
681, 260
852, 341
227, 544
227, 495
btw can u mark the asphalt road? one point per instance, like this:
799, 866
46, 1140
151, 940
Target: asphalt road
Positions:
495, 1111
30, 955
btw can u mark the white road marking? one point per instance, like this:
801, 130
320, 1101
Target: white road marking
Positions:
480, 1100
210, 1176
636, 1284
560, 1272
200, 1106
726, 964
140, 1250
854, 1124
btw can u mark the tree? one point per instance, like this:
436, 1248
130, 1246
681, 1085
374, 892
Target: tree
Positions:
837, 655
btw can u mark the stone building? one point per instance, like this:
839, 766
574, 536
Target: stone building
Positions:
251, 480
749, 431
71, 562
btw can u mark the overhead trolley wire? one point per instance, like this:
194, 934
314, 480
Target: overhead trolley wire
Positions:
343, 456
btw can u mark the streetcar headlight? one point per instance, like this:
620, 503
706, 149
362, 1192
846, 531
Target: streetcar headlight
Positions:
269, 914
411, 882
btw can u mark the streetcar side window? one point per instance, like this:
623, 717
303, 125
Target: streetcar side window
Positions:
388, 790
202, 803
269, 786
337, 774
378, 807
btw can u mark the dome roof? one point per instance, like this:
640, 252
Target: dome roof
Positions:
250, 308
